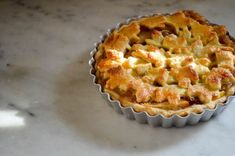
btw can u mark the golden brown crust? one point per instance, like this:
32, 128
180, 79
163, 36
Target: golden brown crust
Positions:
168, 64
116, 41
152, 22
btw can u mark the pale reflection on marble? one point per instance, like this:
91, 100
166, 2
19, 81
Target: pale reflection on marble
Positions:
46, 90
9, 118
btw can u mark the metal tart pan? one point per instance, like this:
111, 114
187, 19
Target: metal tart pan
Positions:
144, 117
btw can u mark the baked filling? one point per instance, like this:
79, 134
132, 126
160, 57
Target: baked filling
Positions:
168, 64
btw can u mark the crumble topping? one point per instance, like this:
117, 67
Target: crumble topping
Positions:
168, 64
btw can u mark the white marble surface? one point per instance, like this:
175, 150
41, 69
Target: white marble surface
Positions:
48, 105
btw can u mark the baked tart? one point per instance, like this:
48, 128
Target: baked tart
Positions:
167, 64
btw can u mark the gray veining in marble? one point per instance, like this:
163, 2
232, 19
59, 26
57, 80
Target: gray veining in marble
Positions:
47, 95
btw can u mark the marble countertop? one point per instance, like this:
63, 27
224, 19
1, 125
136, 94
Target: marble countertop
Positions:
48, 105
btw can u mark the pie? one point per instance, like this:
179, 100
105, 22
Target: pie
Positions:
167, 64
